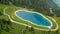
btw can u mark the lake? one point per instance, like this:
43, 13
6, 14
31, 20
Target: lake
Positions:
33, 17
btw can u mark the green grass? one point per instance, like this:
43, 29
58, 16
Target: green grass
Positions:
11, 10
19, 28
58, 21
54, 24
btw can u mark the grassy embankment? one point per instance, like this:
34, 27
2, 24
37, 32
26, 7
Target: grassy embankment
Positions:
18, 28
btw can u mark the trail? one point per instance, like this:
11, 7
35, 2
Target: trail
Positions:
28, 25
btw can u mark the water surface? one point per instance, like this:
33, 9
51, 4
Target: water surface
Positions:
34, 18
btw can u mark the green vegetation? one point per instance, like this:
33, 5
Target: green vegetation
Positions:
8, 27
15, 18
20, 29
39, 6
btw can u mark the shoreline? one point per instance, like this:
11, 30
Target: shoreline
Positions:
33, 23
26, 24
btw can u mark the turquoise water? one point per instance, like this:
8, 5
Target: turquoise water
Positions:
57, 2
34, 18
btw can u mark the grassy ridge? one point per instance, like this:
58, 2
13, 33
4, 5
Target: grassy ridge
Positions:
11, 13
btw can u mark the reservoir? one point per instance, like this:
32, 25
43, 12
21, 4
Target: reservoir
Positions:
33, 17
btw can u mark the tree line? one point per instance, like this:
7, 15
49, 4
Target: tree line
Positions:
38, 5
